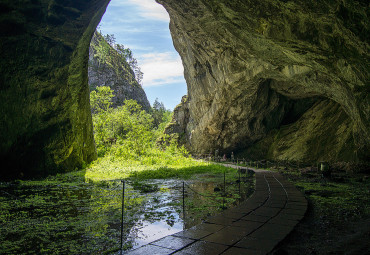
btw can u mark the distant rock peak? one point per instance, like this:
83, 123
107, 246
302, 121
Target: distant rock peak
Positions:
112, 70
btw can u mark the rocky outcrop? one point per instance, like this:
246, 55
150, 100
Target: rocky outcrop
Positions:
115, 73
250, 64
179, 123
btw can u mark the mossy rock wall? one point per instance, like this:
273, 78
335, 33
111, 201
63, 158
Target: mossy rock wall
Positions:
45, 120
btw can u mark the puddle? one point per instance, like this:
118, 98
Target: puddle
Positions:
161, 212
149, 232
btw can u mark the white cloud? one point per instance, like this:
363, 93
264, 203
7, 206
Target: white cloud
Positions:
150, 9
161, 68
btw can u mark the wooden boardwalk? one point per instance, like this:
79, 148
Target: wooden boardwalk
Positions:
256, 226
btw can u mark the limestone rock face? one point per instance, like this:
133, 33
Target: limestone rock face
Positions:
179, 123
115, 73
45, 118
249, 65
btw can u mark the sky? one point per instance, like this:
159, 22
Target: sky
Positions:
143, 26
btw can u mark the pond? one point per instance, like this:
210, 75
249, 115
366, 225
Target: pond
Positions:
78, 217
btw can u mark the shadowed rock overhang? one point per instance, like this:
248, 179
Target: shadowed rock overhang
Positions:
260, 72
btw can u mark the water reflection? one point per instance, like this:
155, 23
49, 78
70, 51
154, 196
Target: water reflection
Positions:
163, 209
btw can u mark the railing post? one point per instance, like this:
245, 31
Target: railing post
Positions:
123, 209
240, 197
223, 200
183, 200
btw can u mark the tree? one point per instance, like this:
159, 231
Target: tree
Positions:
110, 39
102, 51
101, 99
126, 53
107, 50
158, 112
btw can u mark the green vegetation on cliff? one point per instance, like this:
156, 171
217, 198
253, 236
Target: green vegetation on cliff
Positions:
112, 54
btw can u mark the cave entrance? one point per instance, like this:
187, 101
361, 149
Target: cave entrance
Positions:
142, 28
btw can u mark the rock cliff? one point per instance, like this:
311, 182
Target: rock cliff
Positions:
256, 68
115, 73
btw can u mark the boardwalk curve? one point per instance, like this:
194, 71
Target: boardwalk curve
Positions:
256, 226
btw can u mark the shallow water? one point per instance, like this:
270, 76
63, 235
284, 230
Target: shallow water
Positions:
201, 201
85, 218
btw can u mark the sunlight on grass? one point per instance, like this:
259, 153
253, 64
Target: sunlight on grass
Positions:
110, 168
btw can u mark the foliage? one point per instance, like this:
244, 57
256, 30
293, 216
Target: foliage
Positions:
126, 142
59, 215
156, 164
341, 198
101, 99
102, 51
160, 114
128, 131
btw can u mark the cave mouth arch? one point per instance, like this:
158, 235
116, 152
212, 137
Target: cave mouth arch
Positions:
46, 124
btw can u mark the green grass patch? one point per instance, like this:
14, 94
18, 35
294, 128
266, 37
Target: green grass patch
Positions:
167, 166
